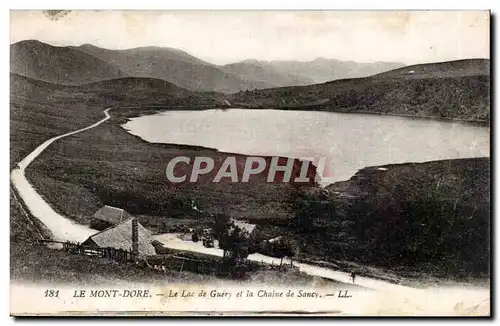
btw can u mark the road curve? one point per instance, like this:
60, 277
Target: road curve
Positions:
62, 228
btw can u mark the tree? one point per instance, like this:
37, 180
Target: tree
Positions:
221, 225
235, 242
310, 207
232, 239
283, 248
280, 247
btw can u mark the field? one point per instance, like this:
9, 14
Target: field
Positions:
106, 165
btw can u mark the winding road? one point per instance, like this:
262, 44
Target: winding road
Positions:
62, 228
173, 241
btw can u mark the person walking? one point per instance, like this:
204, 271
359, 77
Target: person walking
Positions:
353, 277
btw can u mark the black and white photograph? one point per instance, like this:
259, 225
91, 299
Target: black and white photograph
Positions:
250, 163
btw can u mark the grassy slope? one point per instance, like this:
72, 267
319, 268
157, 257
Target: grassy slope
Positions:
265, 73
432, 217
452, 90
39, 111
62, 65
22, 230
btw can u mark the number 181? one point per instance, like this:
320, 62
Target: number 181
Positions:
52, 293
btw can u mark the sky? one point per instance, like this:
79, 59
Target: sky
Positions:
223, 37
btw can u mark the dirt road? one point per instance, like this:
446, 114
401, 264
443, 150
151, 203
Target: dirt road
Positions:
61, 227
173, 241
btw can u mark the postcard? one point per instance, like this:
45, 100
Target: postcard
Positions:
250, 163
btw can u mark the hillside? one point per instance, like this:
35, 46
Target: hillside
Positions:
60, 65
453, 90
41, 110
145, 91
84, 64
415, 218
174, 66
429, 213
458, 68
266, 73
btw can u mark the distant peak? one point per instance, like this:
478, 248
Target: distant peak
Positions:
88, 45
29, 42
251, 61
157, 48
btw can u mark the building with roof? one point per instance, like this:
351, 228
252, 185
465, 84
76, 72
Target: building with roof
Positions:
108, 216
250, 228
128, 235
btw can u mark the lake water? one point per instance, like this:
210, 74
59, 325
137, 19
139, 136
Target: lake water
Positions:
348, 141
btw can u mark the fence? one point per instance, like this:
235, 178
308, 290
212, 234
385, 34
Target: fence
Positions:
109, 253
175, 262
158, 263
162, 263
207, 265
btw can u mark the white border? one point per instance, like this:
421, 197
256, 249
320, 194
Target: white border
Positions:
260, 4
200, 4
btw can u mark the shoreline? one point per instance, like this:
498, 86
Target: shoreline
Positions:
121, 120
160, 109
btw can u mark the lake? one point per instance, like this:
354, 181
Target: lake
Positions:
348, 141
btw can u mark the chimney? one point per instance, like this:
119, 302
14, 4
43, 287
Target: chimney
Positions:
135, 237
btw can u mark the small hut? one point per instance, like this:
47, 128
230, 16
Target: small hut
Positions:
107, 217
250, 228
128, 235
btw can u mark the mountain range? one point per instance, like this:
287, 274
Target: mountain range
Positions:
320, 70
450, 90
457, 89
76, 65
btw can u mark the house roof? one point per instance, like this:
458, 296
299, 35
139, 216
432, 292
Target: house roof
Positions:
120, 237
112, 215
245, 226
